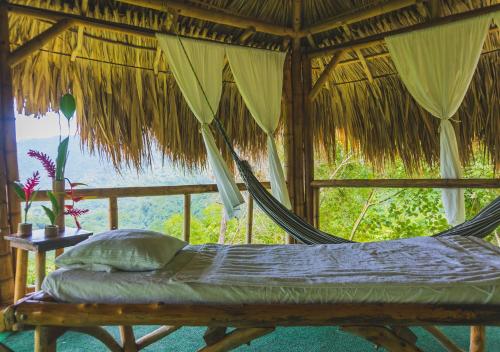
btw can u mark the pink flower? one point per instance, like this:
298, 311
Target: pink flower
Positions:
46, 161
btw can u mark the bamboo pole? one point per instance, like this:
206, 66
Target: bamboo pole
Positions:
325, 75
6, 269
249, 232
212, 15
154, 336
32, 312
308, 141
236, 338
21, 274
99, 24
113, 213
9, 169
477, 338
443, 339
151, 191
128, 339
379, 37
357, 16
39, 269
36, 43
186, 233
409, 183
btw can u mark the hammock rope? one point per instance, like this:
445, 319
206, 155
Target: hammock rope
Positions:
480, 226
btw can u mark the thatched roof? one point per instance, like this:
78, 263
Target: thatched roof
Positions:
128, 101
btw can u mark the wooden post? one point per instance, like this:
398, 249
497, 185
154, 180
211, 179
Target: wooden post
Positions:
39, 269
249, 219
128, 339
21, 274
316, 207
10, 211
308, 140
113, 213
477, 339
294, 124
187, 217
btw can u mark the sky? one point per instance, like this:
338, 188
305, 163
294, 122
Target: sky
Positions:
29, 127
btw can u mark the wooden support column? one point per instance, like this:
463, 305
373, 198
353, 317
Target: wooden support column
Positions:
113, 213
308, 140
9, 203
294, 143
186, 233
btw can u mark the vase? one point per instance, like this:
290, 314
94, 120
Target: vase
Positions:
51, 230
59, 192
24, 229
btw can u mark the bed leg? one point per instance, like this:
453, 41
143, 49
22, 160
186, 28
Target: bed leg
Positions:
477, 339
214, 334
128, 339
236, 338
46, 338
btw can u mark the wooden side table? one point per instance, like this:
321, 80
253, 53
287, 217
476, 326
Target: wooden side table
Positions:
40, 244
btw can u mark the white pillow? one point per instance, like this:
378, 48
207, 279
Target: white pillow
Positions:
126, 250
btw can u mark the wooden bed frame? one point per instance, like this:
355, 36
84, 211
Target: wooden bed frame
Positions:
383, 324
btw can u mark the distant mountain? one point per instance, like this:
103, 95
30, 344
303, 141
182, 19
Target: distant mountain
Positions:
96, 172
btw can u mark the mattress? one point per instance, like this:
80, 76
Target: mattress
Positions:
454, 270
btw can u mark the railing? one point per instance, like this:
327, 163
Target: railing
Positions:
113, 194
395, 183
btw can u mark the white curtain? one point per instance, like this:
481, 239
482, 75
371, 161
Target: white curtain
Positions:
436, 66
259, 77
208, 62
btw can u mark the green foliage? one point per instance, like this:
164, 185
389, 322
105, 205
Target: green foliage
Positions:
68, 105
52, 213
18, 188
62, 157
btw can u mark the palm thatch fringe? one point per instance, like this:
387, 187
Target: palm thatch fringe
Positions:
125, 109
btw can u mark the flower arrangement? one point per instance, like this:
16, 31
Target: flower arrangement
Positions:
27, 193
56, 170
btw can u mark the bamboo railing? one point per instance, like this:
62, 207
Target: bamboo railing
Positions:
316, 186
113, 194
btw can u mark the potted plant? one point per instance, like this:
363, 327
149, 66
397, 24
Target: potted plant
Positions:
52, 229
27, 193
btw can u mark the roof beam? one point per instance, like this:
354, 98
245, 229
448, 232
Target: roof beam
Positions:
379, 38
36, 43
95, 23
325, 75
187, 10
357, 16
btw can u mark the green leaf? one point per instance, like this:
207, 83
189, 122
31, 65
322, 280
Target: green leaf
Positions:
62, 154
18, 188
68, 105
50, 214
54, 202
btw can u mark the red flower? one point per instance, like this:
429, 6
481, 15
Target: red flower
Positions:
29, 186
46, 161
75, 213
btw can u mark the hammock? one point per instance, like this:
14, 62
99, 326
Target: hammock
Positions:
479, 226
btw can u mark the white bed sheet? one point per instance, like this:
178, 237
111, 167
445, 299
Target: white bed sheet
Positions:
420, 270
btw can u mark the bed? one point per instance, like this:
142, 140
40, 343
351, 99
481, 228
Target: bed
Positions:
370, 288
